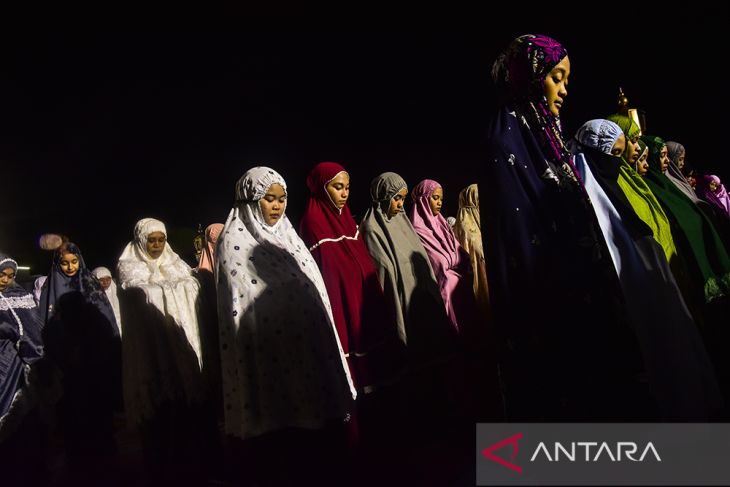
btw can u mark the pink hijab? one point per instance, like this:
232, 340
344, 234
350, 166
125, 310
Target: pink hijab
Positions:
719, 197
207, 256
450, 264
435, 231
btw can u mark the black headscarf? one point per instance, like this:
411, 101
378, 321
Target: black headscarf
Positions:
83, 282
606, 169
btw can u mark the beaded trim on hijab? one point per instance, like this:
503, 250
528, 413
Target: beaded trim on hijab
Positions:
518, 73
8, 259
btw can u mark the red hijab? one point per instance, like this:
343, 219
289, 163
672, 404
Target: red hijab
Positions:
359, 306
323, 220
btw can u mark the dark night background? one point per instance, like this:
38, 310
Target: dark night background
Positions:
98, 131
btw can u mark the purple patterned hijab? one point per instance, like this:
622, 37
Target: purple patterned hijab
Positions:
519, 73
521, 68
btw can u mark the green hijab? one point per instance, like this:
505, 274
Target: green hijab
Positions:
701, 245
645, 204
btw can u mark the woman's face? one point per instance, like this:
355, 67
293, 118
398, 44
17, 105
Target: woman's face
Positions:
713, 185
396, 202
664, 158
556, 86
619, 146
155, 244
680, 161
692, 180
642, 166
105, 281
7, 277
339, 189
632, 150
69, 264
436, 200
273, 204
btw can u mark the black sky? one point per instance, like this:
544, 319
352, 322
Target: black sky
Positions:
97, 131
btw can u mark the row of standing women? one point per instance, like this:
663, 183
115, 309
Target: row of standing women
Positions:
603, 288
607, 287
286, 330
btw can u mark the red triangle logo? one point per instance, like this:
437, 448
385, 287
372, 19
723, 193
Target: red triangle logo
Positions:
512, 440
